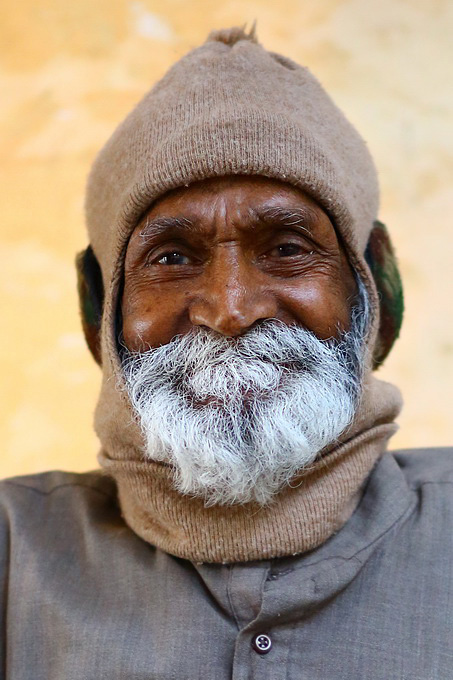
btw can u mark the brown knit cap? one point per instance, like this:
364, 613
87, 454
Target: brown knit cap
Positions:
231, 107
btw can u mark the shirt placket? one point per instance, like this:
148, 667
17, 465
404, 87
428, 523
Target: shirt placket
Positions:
263, 643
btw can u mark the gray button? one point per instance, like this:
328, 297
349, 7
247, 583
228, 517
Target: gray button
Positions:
262, 643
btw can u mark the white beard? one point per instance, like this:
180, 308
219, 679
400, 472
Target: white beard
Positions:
237, 418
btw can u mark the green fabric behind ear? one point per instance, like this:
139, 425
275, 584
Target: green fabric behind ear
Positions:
91, 298
381, 259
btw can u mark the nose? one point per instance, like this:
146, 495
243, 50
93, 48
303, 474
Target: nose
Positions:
231, 298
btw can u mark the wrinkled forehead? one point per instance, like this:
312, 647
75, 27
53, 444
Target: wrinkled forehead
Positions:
235, 205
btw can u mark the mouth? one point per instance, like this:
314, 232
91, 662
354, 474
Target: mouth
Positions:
215, 402
247, 395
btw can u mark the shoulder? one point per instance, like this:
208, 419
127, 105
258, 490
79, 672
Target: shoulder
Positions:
47, 483
428, 474
39, 496
426, 466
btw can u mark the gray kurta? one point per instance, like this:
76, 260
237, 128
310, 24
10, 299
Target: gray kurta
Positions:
85, 599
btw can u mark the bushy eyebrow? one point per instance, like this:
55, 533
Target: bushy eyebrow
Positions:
304, 218
159, 225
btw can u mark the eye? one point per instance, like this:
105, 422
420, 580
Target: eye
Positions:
289, 250
173, 258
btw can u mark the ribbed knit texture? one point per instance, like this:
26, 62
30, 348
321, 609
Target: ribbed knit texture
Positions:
231, 107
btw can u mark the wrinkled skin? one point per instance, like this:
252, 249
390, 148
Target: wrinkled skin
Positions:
227, 253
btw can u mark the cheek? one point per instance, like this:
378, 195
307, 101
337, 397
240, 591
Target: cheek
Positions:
150, 319
320, 305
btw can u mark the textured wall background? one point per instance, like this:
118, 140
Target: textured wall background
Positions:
70, 71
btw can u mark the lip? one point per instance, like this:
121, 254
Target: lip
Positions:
207, 401
248, 396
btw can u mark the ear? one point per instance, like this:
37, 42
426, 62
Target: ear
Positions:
381, 259
91, 299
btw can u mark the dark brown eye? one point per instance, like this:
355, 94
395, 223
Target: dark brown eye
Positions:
173, 258
287, 250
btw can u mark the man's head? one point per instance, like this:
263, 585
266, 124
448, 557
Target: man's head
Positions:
233, 210
230, 287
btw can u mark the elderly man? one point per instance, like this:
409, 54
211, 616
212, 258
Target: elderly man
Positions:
238, 293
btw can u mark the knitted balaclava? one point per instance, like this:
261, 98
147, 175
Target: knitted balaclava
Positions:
231, 107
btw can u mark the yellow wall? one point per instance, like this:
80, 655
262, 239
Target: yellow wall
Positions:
70, 71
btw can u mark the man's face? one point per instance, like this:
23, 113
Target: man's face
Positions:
243, 336
227, 253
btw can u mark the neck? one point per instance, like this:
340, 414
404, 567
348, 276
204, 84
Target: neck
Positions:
302, 516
